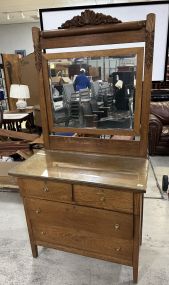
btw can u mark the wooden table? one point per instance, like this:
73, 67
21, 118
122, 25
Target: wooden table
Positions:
89, 204
12, 120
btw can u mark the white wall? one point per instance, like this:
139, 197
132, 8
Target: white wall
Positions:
52, 19
16, 37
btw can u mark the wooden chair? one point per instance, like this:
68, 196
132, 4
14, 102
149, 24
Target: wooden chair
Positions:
84, 95
90, 119
68, 89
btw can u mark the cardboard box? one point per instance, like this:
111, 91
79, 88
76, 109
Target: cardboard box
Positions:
7, 181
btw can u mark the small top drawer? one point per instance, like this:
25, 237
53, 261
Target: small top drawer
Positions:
50, 190
104, 198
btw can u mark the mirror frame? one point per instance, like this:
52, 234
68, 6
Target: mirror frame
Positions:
92, 34
139, 52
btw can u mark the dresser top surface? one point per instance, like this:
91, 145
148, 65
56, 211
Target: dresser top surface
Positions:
96, 169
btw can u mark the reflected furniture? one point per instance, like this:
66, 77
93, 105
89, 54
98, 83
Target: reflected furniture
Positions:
95, 88
108, 100
61, 115
84, 194
84, 95
68, 89
159, 128
12, 120
74, 106
37, 117
117, 120
90, 118
99, 109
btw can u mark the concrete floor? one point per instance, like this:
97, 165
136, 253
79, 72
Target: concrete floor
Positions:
17, 267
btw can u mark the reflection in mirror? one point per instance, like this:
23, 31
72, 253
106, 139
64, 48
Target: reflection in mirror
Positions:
93, 92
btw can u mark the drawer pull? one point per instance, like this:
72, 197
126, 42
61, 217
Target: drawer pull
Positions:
43, 233
102, 199
38, 211
117, 249
45, 189
116, 227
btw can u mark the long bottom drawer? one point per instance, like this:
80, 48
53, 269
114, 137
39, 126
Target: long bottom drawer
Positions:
83, 240
84, 228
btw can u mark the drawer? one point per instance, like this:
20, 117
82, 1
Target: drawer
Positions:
49, 190
118, 249
78, 218
117, 200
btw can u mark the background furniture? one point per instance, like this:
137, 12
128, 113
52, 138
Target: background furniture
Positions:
3, 97
159, 95
37, 117
61, 115
16, 71
159, 128
20, 92
68, 89
13, 120
90, 118
85, 194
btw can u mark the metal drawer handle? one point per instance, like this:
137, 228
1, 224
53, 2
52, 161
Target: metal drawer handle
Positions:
45, 189
117, 249
116, 227
102, 199
43, 233
38, 211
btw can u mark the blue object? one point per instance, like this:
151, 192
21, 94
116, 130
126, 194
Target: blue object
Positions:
64, 134
2, 94
81, 82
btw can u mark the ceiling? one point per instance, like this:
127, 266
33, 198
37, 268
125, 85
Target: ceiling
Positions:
14, 11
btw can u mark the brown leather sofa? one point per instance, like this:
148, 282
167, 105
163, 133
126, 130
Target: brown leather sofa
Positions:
159, 128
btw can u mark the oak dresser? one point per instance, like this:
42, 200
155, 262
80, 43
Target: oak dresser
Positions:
84, 193
89, 204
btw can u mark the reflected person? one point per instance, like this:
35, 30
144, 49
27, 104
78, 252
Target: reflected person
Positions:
122, 102
81, 81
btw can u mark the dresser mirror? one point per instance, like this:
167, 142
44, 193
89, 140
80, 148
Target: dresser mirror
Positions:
104, 100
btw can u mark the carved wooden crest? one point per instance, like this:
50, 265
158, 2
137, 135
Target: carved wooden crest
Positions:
89, 17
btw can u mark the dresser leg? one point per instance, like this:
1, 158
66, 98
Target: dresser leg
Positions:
34, 250
141, 225
33, 245
135, 274
137, 232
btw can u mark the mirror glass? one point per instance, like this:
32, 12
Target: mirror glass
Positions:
93, 92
